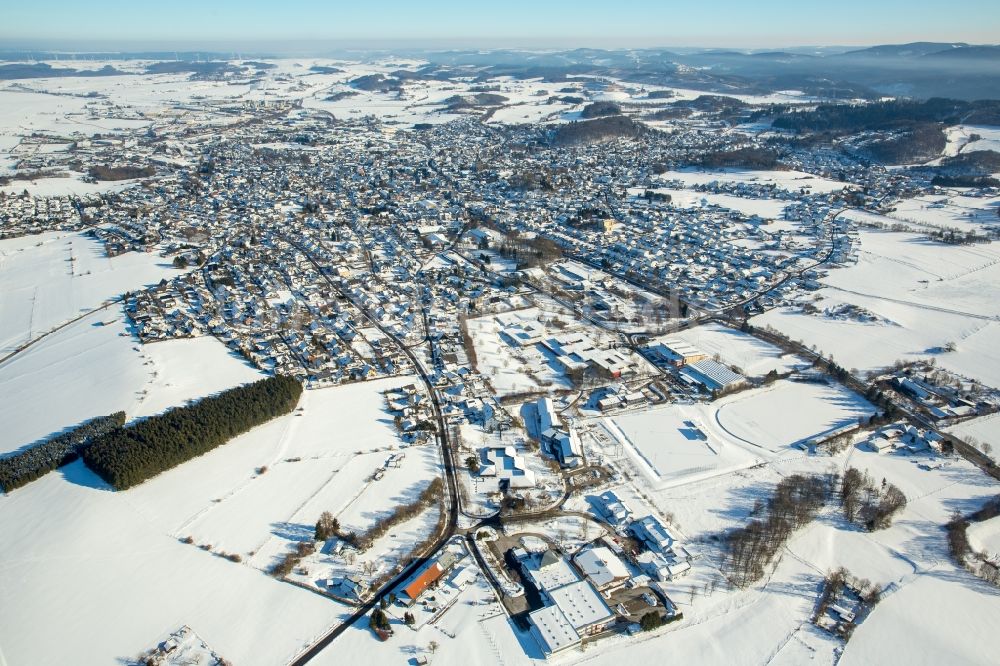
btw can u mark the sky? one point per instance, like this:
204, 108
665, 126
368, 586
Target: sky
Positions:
309, 24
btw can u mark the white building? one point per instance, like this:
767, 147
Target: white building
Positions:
653, 533
583, 607
614, 508
503, 463
552, 630
547, 571
602, 568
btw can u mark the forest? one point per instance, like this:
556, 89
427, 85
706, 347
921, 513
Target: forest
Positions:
101, 172
850, 118
597, 130
127, 456
33, 463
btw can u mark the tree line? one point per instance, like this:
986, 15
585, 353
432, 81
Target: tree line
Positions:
795, 502
127, 456
33, 463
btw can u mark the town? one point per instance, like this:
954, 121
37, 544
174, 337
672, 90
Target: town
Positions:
569, 384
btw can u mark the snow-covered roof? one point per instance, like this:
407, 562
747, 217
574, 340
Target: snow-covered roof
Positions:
581, 604
549, 571
712, 373
552, 629
601, 566
654, 533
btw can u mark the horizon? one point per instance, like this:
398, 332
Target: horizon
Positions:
305, 25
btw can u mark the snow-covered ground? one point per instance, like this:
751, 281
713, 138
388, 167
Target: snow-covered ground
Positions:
97, 569
926, 294
753, 356
678, 444
768, 209
952, 211
50, 278
70, 540
962, 139
787, 413
786, 180
982, 430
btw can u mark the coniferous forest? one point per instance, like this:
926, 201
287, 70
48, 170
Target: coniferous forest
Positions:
127, 456
30, 464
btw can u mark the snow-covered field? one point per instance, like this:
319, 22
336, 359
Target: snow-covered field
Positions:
768, 209
982, 430
931, 294
673, 444
97, 568
962, 139
787, 413
69, 540
954, 211
786, 180
679, 444
50, 278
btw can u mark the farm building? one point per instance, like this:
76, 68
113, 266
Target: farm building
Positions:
425, 577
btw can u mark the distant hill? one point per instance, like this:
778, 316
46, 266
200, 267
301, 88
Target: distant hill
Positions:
479, 100
598, 130
376, 83
43, 70
987, 53
598, 109
911, 50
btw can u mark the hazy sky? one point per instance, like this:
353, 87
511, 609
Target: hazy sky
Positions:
446, 23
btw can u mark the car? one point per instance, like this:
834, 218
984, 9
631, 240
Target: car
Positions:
649, 598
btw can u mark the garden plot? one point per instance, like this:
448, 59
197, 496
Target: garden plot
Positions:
674, 444
753, 356
787, 413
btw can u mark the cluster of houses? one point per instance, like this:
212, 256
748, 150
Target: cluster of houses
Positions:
22, 215
903, 437
939, 402
663, 557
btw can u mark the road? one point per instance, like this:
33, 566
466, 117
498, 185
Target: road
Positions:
452, 505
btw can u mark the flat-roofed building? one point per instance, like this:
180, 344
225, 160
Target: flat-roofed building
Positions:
583, 607
552, 630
